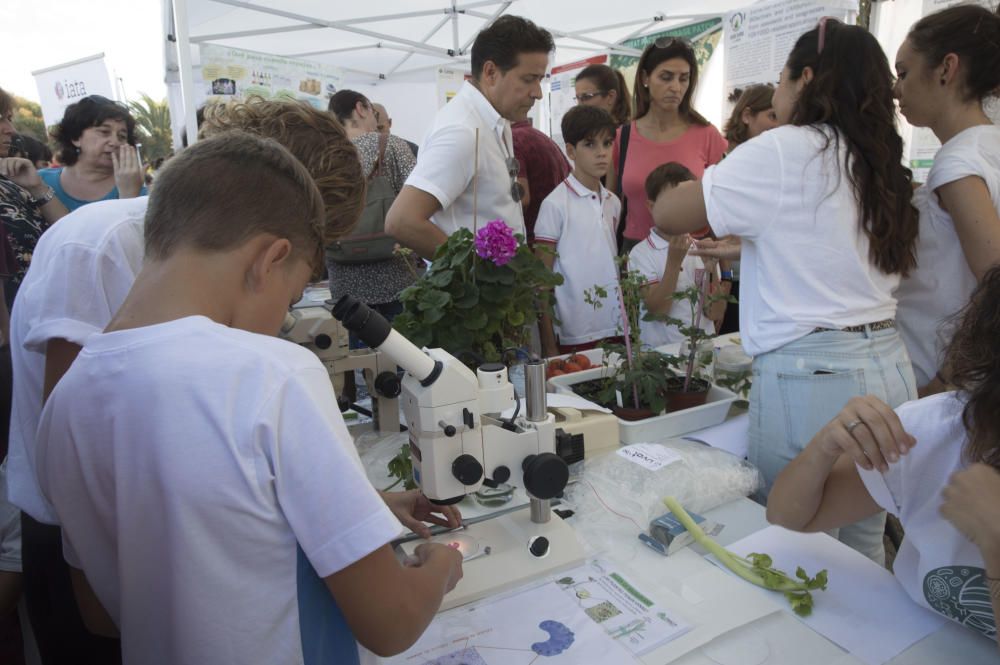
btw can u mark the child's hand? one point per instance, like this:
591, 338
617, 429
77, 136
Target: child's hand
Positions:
678, 248
413, 509
435, 554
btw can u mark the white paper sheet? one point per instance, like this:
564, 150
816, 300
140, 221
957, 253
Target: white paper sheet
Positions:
563, 399
538, 624
863, 609
731, 436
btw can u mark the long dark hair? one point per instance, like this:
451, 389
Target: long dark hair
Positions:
606, 78
973, 362
652, 57
851, 91
972, 33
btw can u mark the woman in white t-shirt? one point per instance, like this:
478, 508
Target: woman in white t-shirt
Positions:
948, 65
822, 206
933, 463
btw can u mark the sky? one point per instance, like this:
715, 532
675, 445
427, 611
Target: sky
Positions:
36, 34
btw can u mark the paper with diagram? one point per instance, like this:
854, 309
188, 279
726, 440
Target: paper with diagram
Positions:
624, 612
541, 625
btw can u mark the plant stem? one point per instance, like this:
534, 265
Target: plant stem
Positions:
693, 351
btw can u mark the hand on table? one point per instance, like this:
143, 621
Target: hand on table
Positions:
972, 504
413, 509
129, 175
867, 430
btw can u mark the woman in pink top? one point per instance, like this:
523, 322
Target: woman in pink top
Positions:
666, 129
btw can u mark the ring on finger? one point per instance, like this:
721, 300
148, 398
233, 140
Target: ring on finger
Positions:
851, 425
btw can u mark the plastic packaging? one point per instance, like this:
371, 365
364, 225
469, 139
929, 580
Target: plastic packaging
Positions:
615, 499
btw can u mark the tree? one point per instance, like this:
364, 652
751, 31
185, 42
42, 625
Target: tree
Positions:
28, 119
152, 121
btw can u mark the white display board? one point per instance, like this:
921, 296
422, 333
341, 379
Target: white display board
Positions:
234, 74
449, 82
68, 83
759, 38
562, 93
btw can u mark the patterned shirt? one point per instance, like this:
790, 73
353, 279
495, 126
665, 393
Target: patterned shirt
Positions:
379, 282
23, 224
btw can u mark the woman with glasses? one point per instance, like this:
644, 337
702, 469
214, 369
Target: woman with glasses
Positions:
96, 140
822, 206
601, 86
947, 66
666, 129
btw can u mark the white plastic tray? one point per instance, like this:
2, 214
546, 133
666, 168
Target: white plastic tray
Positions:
658, 428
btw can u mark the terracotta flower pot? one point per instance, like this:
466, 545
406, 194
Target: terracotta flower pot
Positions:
678, 400
632, 414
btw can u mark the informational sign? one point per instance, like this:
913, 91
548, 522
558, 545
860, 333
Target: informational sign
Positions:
234, 74
760, 37
562, 93
65, 84
449, 82
703, 35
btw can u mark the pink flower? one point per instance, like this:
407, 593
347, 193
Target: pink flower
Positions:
496, 242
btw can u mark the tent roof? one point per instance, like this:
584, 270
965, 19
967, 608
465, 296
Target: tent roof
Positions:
403, 39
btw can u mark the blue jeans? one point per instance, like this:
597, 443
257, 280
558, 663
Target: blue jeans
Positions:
798, 388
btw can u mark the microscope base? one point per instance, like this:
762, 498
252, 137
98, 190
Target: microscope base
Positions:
509, 563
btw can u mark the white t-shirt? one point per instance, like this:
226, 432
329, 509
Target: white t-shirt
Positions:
942, 282
649, 257
81, 270
445, 166
186, 462
937, 565
581, 224
804, 262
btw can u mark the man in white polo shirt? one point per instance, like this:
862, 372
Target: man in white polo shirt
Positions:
509, 61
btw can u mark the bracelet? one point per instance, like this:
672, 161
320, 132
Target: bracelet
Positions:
44, 198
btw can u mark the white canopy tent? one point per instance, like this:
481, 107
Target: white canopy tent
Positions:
397, 46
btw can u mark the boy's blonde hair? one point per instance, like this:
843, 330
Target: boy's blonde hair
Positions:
224, 190
316, 138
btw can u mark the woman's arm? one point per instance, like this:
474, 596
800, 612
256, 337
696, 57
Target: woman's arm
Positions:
821, 489
976, 221
22, 172
681, 209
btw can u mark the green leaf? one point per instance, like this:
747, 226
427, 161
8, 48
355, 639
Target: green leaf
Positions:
433, 316
441, 278
433, 300
469, 297
475, 321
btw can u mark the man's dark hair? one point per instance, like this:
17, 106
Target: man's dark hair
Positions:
670, 174
504, 40
586, 122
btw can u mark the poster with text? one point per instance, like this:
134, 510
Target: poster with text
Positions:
760, 37
229, 74
66, 84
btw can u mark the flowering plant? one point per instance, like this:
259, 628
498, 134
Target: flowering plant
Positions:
479, 295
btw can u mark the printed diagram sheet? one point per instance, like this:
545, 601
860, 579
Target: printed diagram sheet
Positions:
622, 610
538, 626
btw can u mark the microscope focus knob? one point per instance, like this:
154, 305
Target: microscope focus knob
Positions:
539, 546
467, 469
387, 384
323, 342
545, 475
501, 474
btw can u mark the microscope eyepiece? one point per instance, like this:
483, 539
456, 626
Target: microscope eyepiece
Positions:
370, 327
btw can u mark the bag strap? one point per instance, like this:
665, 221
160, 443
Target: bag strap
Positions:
383, 141
622, 154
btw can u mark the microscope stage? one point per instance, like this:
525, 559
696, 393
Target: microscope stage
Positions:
498, 556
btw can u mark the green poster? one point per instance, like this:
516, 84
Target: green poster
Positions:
703, 47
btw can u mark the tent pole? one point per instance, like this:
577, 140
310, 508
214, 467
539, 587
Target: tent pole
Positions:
186, 70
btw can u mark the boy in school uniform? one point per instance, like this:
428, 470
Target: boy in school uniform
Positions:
664, 261
213, 507
578, 220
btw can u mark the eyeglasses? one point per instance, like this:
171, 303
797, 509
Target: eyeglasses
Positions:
587, 96
667, 42
821, 42
513, 168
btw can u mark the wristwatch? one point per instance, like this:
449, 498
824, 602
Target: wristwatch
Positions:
39, 201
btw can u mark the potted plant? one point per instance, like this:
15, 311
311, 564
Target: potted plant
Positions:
479, 295
637, 382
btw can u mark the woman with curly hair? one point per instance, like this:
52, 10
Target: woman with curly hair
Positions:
935, 463
96, 138
822, 206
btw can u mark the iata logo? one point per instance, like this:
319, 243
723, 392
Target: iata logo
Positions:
60, 92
